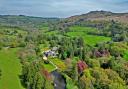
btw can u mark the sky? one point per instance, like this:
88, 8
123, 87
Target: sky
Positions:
59, 8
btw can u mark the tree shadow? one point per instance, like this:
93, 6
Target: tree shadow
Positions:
21, 81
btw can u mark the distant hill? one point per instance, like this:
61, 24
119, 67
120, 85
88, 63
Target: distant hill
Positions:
99, 16
25, 21
29, 22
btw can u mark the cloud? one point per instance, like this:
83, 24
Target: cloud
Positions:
60, 8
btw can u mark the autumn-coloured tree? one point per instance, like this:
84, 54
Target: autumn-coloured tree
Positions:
81, 66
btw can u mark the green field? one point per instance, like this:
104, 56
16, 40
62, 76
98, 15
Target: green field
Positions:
56, 62
126, 55
59, 63
49, 67
11, 69
88, 39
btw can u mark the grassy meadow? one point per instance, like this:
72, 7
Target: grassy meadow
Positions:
88, 39
11, 69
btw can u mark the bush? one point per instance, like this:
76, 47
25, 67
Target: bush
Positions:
22, 44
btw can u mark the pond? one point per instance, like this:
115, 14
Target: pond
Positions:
59, 80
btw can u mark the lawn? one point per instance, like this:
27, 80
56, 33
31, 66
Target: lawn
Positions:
126, 55
49, 67
11, 69
59, 63
88, 39
56, 62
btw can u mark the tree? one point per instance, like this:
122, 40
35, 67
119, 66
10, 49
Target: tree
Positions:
93, 63
75, 72
52, 43
70, 83
48, 85
105, 78
0, 74
84, 53
34, 78
0, 45
38, 81
116, 86
120, 66
86, 80
80, 42
64, 55
81, 66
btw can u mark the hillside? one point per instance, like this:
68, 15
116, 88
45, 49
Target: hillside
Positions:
27, 22
100, 15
